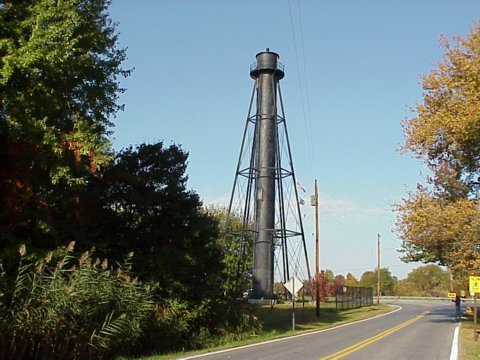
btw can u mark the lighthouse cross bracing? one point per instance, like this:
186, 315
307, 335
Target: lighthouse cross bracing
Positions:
264, 193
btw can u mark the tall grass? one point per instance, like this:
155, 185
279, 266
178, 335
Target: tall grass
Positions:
66, 307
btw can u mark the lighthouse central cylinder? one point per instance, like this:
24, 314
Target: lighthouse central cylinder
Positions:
266, 75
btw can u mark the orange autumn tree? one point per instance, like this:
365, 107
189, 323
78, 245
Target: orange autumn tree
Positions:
439, 222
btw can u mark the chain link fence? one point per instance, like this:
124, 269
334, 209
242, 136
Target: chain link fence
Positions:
352, 297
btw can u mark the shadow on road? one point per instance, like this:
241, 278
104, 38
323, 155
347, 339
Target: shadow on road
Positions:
280, 318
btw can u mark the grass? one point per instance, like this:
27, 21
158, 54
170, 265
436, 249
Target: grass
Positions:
279, 319
277, 323
468, 348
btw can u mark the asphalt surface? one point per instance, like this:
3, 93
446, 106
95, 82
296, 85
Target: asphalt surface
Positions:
416, 330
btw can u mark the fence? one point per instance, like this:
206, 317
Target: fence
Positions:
351, 297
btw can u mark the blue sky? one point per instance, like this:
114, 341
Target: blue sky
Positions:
352, 73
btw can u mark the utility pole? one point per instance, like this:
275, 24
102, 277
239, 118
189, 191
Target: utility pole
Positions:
317, 277
378, 268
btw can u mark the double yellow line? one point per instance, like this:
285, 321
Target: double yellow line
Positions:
348, 350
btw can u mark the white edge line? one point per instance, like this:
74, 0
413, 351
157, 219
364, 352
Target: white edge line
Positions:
454, 351
292, 337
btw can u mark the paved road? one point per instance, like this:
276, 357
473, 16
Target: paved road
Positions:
418, 330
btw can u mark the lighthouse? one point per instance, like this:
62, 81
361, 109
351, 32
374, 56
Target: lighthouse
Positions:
264, 194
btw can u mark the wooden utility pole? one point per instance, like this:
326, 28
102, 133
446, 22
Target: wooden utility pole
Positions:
378, 268
317, 277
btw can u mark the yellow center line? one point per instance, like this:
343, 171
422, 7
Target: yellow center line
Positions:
348, 350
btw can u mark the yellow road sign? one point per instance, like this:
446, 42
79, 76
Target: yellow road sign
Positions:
474, 284
452, 295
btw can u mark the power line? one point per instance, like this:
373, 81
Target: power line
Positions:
307, 93
305, 104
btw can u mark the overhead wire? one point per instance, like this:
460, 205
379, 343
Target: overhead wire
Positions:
301, 64
305, 103
307, 92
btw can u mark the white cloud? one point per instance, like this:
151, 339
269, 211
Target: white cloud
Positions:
336, 207
329, 207
341, 208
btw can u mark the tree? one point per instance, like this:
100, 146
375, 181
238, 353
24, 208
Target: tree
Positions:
141, 204
440, 223
425, 280
59, 88
429, 277
325, 283
369, 279
350, 280
329, 275
237, 252
387, 281
338, 283
440, 230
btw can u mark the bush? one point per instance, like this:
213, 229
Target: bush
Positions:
179, 325
63, 307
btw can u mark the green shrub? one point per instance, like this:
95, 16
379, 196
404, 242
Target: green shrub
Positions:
63, 307
180, 325
171, 328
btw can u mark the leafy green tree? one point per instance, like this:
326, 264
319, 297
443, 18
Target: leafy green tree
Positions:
329, 276
237, 249
369, 279
404, 288
440, 224
141, 204
59, 87
387, 281
425, 280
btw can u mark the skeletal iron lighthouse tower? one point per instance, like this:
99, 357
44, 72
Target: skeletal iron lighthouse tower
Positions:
264, 193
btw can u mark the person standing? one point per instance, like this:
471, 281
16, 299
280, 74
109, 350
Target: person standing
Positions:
458, 308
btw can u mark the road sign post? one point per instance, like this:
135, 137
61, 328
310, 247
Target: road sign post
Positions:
475, 333
294, 285
293, 308
474, 287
